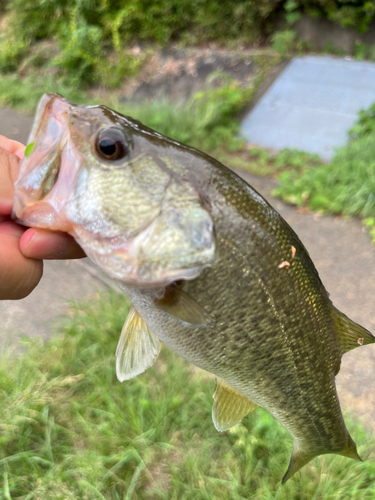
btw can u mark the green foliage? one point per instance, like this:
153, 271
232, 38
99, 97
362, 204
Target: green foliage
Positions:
283, 41
263, 162
370, 224
365, 124
80, 49
356, 13
13, 49
361, 51
346, 185
94, 36
70, 430
24, 93
141, 19
206, 121
291, 12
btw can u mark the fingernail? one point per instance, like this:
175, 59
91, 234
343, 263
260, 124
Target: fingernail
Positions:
47, 245
27, 237
62, 247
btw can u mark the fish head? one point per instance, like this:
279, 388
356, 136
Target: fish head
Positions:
122, 190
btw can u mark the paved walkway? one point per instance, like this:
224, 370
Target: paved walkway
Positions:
340, 249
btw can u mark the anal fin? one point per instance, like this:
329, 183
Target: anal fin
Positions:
137, 348
351, 335
230, 407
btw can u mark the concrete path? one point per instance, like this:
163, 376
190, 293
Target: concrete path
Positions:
340, 249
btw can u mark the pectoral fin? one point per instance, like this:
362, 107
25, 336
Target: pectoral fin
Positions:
179, 304
351, 335
230, 407
137, 349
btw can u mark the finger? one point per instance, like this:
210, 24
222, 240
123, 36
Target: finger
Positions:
9, 166
44, 244
18, 275
12, 146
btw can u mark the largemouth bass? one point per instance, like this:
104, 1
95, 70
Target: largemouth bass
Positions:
211, 269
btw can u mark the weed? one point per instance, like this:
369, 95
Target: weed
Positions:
283, 41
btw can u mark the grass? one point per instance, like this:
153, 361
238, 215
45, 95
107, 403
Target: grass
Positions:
70, 430
346, 185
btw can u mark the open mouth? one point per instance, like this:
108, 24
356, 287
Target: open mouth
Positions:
46, 176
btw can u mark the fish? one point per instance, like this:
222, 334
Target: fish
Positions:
210, 268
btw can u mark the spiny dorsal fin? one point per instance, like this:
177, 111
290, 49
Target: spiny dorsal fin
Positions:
230, 407
137, 348
351, 335
179, 304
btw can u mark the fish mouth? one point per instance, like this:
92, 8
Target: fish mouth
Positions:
41, 188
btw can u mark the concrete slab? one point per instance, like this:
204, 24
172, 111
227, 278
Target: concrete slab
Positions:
312, 105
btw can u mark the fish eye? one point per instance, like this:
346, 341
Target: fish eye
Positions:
111, 144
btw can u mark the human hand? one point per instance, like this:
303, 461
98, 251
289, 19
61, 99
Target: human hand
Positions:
22, 250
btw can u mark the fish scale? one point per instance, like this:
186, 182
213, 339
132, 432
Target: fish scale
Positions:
211, 269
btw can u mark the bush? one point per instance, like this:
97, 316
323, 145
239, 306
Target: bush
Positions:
355, 13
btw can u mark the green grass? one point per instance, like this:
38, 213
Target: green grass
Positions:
24, 93
344, 186
70, 430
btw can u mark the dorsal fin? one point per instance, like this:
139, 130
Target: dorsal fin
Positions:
137, 348
351, 335
230, 407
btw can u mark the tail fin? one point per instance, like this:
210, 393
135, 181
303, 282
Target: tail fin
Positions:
351, 335
300, 458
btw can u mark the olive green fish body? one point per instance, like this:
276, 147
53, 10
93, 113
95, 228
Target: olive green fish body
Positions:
272, 335
211, 269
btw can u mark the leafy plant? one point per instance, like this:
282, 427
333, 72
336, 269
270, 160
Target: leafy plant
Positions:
346, 185
365, 124
292, 14
283, 41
